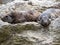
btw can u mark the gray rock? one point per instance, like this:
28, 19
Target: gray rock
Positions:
55, 25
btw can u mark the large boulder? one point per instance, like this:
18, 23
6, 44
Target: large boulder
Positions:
30, 33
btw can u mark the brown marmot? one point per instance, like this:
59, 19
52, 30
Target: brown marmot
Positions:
22, 16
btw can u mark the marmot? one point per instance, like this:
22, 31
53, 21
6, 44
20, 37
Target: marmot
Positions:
22, 16
47, 16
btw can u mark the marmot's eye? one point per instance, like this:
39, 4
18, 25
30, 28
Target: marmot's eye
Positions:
6, 16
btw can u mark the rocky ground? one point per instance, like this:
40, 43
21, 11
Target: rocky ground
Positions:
29, 33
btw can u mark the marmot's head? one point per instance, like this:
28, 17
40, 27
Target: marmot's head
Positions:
8, 18
44, 20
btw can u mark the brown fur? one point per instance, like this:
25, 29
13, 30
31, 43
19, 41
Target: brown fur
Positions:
19, 17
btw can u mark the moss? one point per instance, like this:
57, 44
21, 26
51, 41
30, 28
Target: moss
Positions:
18, 28
21, 41
4, 34
7, 31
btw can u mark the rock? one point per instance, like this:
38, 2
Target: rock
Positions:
8, 31
25, 33
56, 5
55, 25
3, 23
54, 29
30, 33
4, 34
